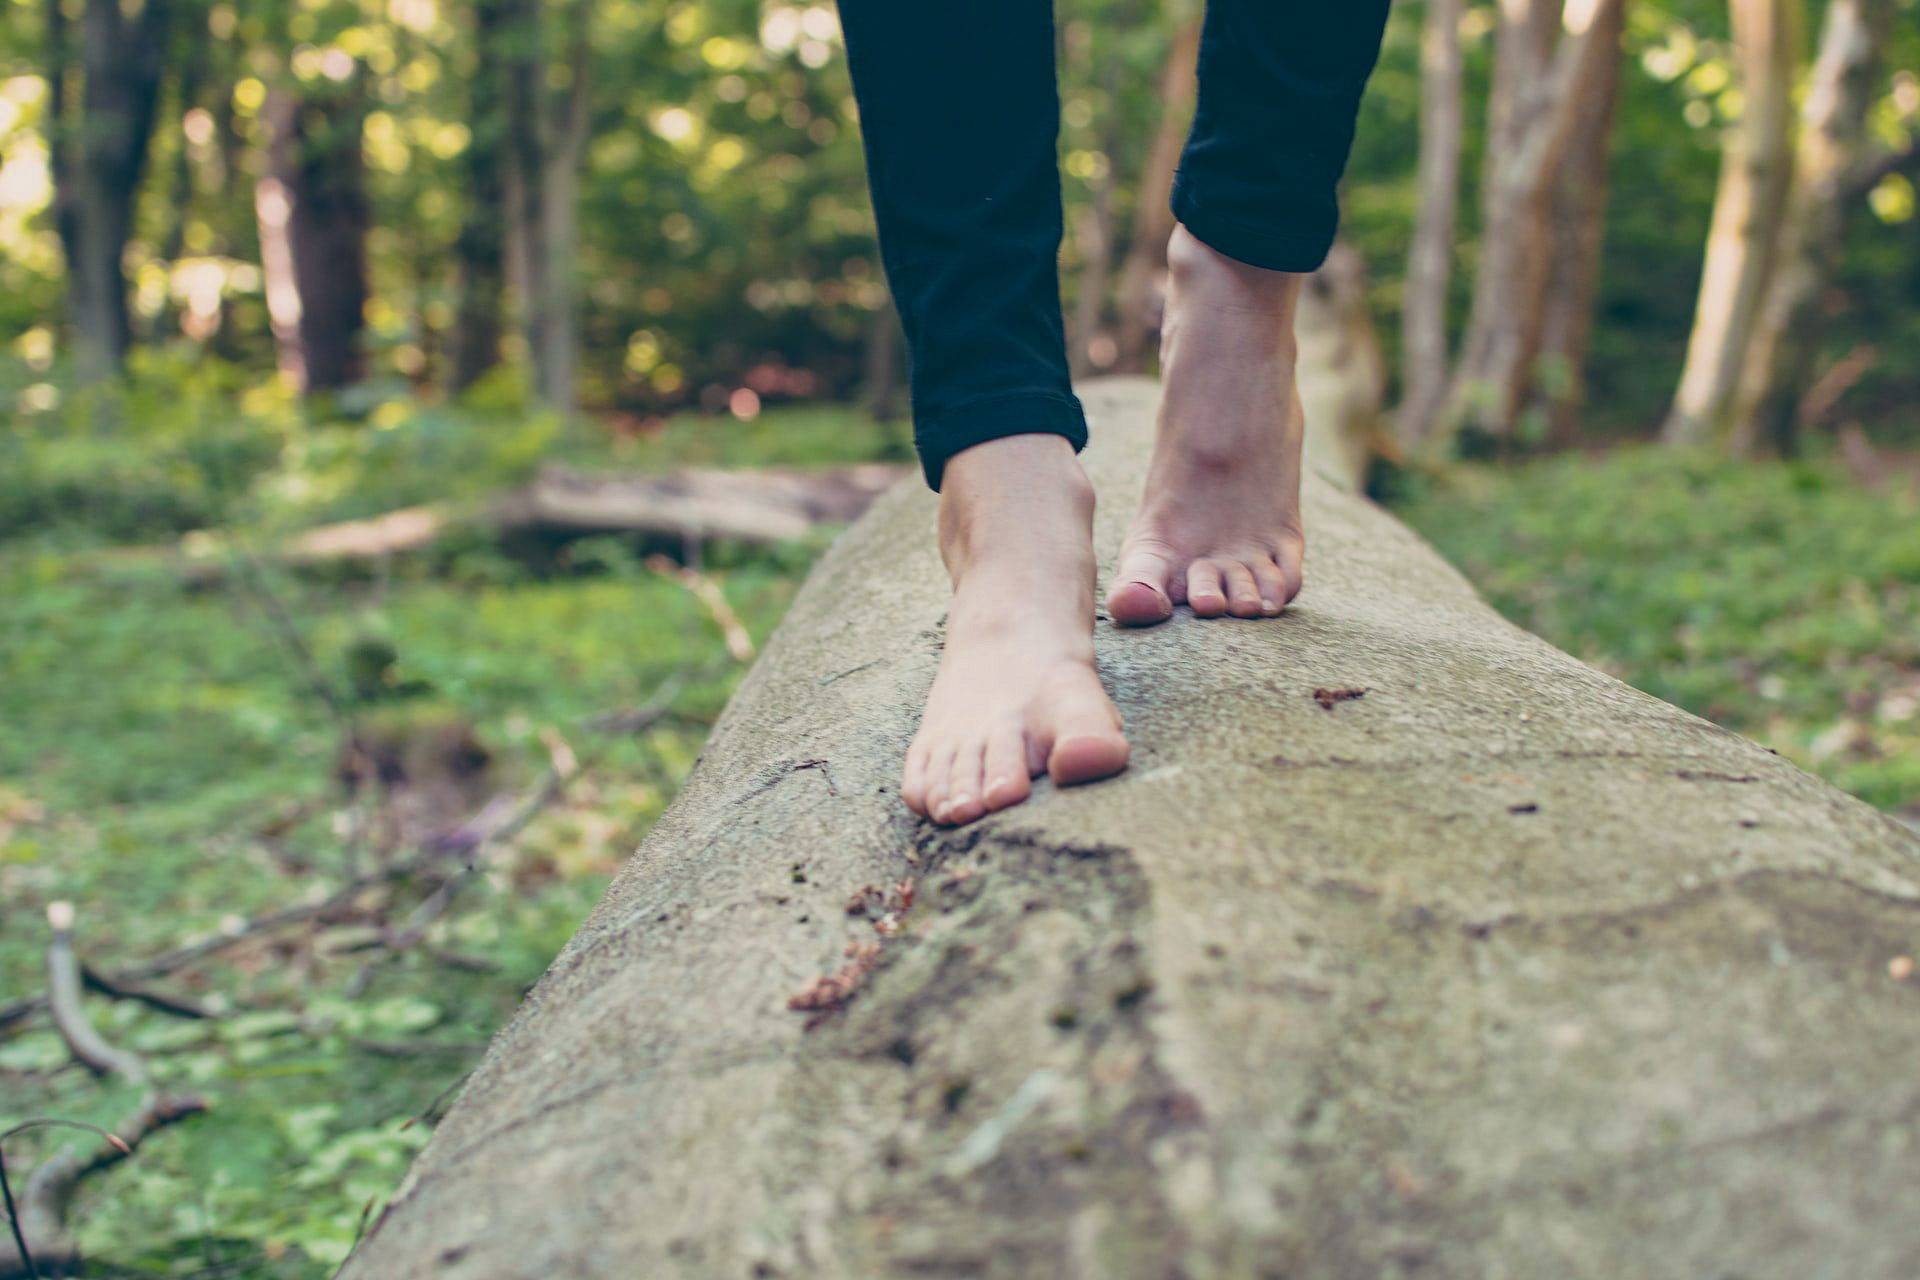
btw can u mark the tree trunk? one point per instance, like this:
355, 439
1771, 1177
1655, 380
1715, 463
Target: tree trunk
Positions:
1785, 346
1142, 277
1577, 217
481, 247
1543, 84
546, 136
101, 141
1497, 968
1423, 316
1743, 239
313, 214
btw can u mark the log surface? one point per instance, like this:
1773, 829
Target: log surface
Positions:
1502, 969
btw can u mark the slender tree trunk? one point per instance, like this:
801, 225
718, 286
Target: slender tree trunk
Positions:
1142, 276
481, 247
313, 213
99, 158
1423, 315
62, 128
1743, 239
1543, 85
546, 136
1577, 214
1781, 356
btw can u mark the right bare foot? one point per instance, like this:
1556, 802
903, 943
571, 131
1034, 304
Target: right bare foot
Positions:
1219, 525
1017, 692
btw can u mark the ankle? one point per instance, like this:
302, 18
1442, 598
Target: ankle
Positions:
1016, 499
1198, 270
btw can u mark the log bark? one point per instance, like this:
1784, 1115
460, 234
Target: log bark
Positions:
1499, 968
1744, 235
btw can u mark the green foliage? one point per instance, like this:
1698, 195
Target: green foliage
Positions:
168, 768
1781, 600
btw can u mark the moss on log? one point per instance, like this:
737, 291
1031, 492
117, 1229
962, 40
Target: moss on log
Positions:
1497, 969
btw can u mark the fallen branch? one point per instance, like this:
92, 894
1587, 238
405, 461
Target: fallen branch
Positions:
707, 592
759, 507
37, 1220
64, 988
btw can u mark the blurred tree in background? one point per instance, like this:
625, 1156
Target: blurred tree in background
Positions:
641, 205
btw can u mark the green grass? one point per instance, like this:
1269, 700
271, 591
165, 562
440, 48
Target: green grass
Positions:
1779, 599
168, 768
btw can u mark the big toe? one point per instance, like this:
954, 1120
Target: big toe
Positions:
1138, 597
1087, 742
1086, 757
1138, 604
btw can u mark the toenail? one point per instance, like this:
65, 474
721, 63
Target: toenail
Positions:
960, 802
1268, 606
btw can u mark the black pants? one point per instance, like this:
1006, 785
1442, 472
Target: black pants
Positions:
959, 113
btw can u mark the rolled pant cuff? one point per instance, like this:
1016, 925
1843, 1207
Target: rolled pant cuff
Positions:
1017, 413
1276, 249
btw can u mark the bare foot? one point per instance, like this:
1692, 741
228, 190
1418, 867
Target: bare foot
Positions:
1017, 693
1219, 527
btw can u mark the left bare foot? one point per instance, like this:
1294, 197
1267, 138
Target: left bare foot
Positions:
1219, 526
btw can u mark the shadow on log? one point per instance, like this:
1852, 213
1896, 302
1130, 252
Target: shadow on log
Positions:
1408, 945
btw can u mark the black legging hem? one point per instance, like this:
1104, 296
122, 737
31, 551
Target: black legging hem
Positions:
1015, 413
959, 117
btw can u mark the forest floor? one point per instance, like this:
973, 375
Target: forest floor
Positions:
174, 761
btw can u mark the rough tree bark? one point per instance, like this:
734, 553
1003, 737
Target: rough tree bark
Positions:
1423, 315
1551, 56
475, 342
1743, 237
546, 137
1142, 274
100, 135
1499, 968
312, 208
1781, 355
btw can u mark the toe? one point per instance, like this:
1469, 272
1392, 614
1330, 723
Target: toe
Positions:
1138, 596
965, 787
1205, 594
1273, 586
1291, 560
939, 778
913, 779
1243, 594
1005, 773
1087, 742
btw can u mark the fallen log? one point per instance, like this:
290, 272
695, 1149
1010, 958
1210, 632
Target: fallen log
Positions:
1408, 945
758, 507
